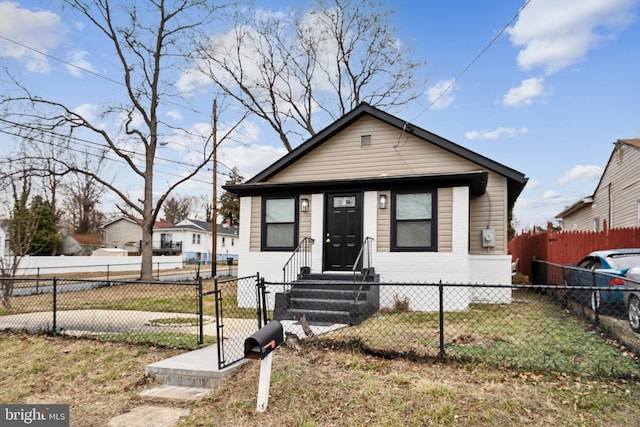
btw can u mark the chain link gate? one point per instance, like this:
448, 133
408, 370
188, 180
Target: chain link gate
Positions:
239, 303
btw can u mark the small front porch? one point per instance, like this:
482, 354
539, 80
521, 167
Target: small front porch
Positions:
345, 297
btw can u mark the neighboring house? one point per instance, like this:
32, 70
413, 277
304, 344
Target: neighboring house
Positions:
195, 238
435, 210
3, 242
125, 233
616, 199
80, 244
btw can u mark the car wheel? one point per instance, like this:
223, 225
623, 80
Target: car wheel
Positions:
596, 301
634, 313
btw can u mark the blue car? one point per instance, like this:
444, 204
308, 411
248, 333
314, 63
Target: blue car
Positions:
602, 269
632, 297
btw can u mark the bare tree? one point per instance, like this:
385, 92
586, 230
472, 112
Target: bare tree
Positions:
20, 226
177, 209
294, 72
149, 40
82, 196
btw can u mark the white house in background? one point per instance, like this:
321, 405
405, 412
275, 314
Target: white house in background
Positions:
126, 233
616, 199
194, 238
430, 209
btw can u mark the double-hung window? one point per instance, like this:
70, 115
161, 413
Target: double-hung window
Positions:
279, 231
413, 221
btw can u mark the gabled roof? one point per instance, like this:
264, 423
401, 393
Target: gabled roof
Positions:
516, 180
157, 224
585, 201
87, 239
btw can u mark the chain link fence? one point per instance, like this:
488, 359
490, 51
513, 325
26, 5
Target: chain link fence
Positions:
158, 313
550, 326
522, 327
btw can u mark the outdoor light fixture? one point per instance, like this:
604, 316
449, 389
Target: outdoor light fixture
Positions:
304, 205
382, 201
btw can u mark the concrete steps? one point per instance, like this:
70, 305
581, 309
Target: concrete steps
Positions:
187, 376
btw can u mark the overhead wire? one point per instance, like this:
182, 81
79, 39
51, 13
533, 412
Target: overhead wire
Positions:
114, 160
474, 60
89, 71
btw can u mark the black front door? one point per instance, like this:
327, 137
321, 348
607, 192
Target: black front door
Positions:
343, 230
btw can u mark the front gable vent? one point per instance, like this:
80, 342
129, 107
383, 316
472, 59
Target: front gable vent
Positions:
365, 140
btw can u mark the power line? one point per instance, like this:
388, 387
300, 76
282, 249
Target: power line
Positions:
82, 142
86, 70
114, 160
482, 52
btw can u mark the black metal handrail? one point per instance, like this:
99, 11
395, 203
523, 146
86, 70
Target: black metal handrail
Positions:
364, 256
364, 259
299, 261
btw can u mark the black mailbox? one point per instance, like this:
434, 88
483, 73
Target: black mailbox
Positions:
264, 340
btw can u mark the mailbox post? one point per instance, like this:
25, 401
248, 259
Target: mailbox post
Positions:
260, 346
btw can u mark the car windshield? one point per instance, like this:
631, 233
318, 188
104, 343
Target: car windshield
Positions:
624, 260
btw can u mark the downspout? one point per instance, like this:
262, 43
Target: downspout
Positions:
610, 224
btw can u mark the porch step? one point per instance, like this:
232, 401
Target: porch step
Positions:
321, 316
338, 277
326, 293
328, 302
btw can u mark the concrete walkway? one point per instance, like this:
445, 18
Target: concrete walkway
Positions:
186, 377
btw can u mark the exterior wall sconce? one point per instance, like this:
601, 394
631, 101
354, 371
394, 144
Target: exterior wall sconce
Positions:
383, 202
304, 205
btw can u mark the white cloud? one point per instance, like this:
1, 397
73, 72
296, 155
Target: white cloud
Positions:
525, 93
40, 30
555, 34
191, 81
581, 173
175, 115
253, 158
551, 195
78, 61
495, 133
89, 112
532, 184
441, 94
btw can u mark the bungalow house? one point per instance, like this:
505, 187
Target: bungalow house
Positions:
80, 244
372, 191
126, 233
195, 240
616, 198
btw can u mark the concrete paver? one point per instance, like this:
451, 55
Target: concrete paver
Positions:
150, 416
174, 392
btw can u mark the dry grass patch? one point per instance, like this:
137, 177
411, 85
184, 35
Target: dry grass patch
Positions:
312, 387
98, 380
317, 387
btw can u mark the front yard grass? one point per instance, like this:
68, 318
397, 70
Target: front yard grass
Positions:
311, 387
530, 334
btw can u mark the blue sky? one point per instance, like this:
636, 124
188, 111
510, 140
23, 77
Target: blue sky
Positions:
547, 98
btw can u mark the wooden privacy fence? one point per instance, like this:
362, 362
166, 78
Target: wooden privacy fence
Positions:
568, 247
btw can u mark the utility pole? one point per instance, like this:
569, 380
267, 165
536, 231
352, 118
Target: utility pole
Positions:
214, 207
